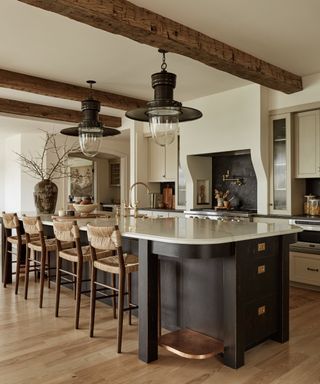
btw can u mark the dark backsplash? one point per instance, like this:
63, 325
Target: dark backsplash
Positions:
239, 166
313, 187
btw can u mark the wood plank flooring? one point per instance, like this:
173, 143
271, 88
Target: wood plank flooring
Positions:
37, 348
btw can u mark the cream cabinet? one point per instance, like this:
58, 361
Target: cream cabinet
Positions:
307, 148
305, 268
286, 193
163, 161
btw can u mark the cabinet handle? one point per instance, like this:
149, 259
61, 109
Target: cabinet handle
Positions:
313, 269
261, 310
261, 247
261, 269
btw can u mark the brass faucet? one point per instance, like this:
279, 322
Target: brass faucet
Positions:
135, 204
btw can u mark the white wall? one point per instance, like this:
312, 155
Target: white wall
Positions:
139, 164
31, 143
12, 175
232, 120
121, 149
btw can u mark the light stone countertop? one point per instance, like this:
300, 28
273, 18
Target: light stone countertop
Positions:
189, 231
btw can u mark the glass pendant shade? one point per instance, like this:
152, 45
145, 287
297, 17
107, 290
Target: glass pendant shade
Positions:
163, 125
90, 131
90, 139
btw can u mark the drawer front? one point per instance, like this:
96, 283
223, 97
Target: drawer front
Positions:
261, 320
305, 268
265, 247
260, 277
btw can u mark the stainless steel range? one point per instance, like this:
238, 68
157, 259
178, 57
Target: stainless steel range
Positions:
211, 214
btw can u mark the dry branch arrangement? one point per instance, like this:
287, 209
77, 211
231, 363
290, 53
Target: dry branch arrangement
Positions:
36, 165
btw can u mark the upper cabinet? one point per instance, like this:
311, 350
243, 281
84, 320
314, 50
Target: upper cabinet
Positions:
163, 161
286, 193
307, 150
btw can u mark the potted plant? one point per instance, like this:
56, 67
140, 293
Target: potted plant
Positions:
38, 166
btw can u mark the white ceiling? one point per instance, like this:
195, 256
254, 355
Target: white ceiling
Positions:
283, 32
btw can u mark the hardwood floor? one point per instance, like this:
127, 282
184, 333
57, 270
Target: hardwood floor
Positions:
37, 348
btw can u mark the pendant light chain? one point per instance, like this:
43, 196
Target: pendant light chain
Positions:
164, 64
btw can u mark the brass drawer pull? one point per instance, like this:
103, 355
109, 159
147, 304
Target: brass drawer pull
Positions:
261, 310
312, 269
261, 247
261, 269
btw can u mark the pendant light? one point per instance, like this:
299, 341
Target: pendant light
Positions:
90, 130
164, 113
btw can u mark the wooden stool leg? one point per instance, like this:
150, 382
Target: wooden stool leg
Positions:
26, 273
58, 285
78, 293
74, 279
35, 265
93, 299
42, 273
129, 296
114, 299
122, 277
6, 261
49, 270
18, 267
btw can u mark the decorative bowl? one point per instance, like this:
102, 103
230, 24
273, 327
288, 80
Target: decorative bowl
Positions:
85, 208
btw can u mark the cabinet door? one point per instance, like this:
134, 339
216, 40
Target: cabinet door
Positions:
163, 162
280, 172
307, 144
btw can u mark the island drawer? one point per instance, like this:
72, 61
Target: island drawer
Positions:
258, 248
261, 319
260, 277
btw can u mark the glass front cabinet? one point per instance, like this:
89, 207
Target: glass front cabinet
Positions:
286, 193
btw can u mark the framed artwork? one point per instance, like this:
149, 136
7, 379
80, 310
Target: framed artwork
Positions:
203, 191
81, 181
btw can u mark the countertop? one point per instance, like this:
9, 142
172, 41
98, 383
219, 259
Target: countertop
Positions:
189, 231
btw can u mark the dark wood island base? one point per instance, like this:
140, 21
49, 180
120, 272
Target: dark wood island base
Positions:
235, 292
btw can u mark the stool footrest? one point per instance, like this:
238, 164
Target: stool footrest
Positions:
191, 344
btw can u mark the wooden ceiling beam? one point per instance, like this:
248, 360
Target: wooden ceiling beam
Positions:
124, 18
20, 108
33, 84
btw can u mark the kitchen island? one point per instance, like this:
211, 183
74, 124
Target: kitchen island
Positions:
227, 280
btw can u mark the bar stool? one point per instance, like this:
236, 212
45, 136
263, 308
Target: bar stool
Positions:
11, 222
77, 255
109, 239
45, 247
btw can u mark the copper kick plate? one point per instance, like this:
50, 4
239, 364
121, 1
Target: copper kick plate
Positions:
191, 344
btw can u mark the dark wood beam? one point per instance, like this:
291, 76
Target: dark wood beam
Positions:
27, 83
20, 108
124, 18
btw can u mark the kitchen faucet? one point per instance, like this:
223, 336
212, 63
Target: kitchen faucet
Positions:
135, 204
